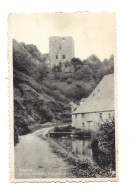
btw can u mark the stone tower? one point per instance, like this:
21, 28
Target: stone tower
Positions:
61, 49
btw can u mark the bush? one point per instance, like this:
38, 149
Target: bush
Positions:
84, 133
78, 85
63, 77
69, 81
68, 128
77, 63
106, 141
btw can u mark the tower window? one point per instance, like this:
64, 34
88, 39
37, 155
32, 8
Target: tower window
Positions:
63, 56
100, 115
56, 56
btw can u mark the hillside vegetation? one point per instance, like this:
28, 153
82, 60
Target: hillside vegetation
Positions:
106, 144
42, 95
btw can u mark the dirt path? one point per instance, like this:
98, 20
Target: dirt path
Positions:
34, 159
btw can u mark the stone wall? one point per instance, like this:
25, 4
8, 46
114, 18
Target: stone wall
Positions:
91, 121
61, 50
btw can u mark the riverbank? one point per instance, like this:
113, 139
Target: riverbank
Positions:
37, 127
34, 158
84, 169
102, 141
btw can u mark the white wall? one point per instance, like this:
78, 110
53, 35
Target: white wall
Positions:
90, 120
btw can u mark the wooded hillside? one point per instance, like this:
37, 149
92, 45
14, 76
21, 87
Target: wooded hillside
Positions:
42, 95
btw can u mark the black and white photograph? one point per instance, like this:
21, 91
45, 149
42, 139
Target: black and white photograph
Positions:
64, 97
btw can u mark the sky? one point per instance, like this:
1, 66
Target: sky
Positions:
93, 33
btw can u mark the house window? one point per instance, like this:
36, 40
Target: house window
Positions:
56, 56
83, 115
90, 124
109, 115
82, 124
63, 56
59, 47
75, 115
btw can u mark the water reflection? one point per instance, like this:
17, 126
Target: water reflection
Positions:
82, 148
79, 147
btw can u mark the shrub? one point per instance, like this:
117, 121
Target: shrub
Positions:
63, 129
78, 85
77, 63
63, 77
69, 81
106, 140
83, 133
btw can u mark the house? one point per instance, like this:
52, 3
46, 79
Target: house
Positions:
97, 108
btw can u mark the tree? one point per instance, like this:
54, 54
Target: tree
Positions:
94, 60
106, 140
77, 63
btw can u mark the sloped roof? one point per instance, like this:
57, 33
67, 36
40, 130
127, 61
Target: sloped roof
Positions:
101, 99
73, 104
83, 99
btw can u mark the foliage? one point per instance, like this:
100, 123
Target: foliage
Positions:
57, 68
69, 81
106, 141
83, 133
93, 60
42, 95
67, 64
68, 128
34, 102
77, 63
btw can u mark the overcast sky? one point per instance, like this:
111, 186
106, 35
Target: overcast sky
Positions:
92, 33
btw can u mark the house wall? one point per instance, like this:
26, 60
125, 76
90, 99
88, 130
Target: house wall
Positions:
59, 47
91, 121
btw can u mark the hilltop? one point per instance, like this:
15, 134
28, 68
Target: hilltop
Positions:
42, 95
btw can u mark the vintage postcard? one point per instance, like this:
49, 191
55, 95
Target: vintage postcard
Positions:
63, 97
